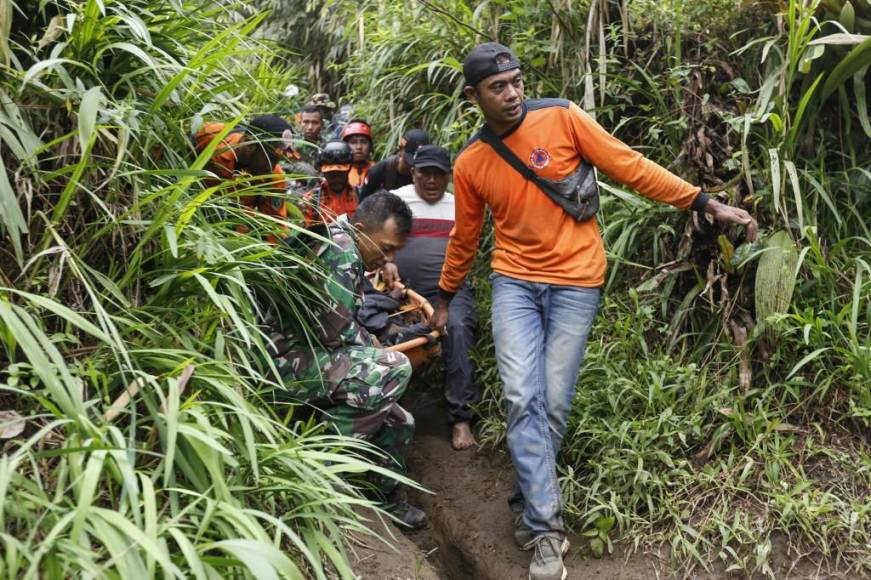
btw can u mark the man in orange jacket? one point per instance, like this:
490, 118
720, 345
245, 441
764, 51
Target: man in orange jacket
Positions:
358, 135
334, 196
252, 150
548, 268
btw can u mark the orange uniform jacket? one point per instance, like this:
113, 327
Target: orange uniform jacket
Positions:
223, 164
325, 206
357, 175
535, 239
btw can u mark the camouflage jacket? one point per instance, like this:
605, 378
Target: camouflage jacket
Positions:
344, 289
309, 152
334, 319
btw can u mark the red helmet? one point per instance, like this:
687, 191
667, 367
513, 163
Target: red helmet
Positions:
357, 127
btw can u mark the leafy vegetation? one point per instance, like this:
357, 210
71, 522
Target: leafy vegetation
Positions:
140, 435
724, 403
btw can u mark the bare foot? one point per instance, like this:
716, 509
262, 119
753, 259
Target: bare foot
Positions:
462, 437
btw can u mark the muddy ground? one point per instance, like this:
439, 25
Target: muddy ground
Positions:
470, 531
389, 554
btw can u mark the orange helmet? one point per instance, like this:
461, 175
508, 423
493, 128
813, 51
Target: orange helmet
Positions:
357, 127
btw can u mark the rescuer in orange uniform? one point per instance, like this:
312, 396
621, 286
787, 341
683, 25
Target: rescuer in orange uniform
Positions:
358, 135
249, 151
334, 196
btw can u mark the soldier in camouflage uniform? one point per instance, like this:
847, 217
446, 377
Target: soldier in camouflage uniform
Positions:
356, 383
313, 119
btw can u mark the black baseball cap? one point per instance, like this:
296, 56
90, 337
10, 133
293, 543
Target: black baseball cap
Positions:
488, 59
432, 156
274, 132
413, 139
269, 126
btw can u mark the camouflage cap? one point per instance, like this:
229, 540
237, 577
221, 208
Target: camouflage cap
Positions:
322, 100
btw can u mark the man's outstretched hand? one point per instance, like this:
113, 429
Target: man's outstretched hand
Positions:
735, 215
439, 318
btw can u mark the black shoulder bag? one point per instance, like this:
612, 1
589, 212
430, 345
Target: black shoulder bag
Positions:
577, 194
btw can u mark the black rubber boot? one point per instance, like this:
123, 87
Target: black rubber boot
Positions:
396, 504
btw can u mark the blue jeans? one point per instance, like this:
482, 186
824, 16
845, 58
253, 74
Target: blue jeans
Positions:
540, 333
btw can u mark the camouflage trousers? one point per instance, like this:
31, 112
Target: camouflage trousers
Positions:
358, 389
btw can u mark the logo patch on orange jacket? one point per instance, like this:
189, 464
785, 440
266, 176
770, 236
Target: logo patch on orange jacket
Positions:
539, 158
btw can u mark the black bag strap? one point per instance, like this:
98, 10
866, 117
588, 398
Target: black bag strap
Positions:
494, 141
579, 212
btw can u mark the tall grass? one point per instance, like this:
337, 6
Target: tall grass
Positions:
721, 408
141, 437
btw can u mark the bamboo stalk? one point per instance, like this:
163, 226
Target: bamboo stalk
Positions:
183, 379
405, 310
123, 400
133, 389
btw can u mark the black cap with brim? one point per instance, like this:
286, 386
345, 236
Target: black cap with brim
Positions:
271, 129
432, 156
411, 140
488, 59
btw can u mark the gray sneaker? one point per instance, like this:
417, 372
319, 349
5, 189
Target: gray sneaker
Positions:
547, 560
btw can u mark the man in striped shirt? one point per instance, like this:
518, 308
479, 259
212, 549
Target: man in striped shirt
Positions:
420, 265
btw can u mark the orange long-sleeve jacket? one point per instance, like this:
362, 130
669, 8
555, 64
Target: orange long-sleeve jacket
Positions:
535, 239
322, 205
357, 175
224, 164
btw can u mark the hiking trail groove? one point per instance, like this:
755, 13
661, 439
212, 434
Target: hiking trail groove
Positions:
470, 531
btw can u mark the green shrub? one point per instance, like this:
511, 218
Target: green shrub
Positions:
121, 273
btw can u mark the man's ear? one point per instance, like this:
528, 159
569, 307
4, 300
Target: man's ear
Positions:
471, 93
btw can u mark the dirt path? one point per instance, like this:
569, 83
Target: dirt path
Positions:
372, 558
470, 531
471, 524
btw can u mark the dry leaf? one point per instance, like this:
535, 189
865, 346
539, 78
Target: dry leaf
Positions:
11, 424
